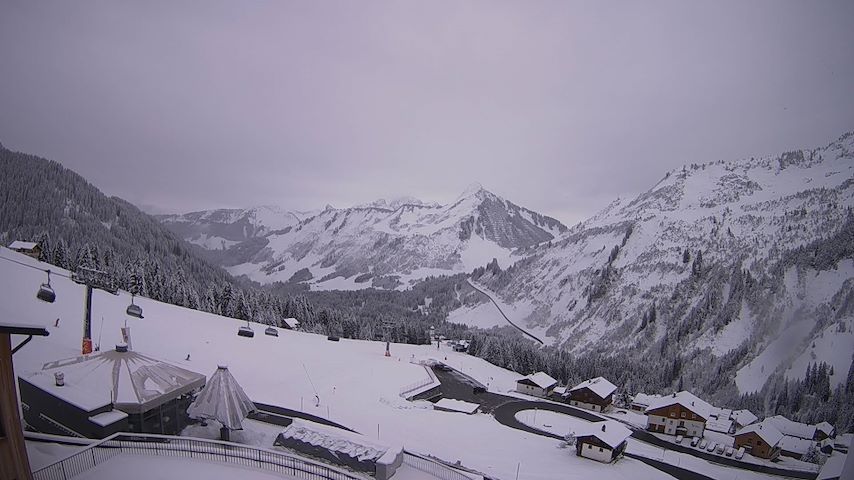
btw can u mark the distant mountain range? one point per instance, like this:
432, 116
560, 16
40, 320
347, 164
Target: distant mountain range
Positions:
383, 244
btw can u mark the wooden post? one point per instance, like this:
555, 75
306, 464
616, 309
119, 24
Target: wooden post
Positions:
14, 463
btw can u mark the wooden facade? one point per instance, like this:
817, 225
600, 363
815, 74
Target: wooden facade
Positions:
676, 419
14, 462
586, 398
756, 446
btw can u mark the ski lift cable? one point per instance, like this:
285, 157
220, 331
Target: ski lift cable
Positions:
46, 270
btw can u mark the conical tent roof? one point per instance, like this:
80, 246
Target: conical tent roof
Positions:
134, 382
222, 400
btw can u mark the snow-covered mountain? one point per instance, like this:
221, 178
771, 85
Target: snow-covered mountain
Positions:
749, 262
385, 244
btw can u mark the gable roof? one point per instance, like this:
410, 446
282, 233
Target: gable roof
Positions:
687, 399
744, 417
611, 432
644, 399
766, 431
795, 444
19, 245
825, 427
792, 428
540, 379
599, 385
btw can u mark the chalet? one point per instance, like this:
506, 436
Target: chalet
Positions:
290, 323
111, 391
760, 440
601, 441
790, 428
642, 401
720, 420
595, 394
32, 249
539, 384
678, 414
795, 447
824, 430
743, 418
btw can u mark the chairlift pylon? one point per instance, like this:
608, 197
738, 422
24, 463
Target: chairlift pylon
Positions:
46, 293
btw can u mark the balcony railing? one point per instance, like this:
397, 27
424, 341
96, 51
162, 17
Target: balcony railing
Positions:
194, 448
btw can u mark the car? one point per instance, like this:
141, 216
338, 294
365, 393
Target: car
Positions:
739, 453
695, 441
712, 446
679, 438
728, 451
719, 449
703, 443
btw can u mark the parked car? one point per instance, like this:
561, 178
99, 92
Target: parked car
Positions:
679, 438
728, 451
712, 446
703, 443
719, 449
695, 441
739, 453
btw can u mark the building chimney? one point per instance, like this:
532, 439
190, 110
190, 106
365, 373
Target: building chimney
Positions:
59, 378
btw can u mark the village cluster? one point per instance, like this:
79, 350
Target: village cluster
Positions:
684, 419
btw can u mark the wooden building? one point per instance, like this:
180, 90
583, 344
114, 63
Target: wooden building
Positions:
539, 384
595, 394
601, 441
32, 249
14, 462
678, 414
760, 440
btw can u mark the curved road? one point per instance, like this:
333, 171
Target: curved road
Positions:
502, 312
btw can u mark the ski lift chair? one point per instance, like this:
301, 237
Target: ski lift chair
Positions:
271, 331
134, 310
46, 293
245, 331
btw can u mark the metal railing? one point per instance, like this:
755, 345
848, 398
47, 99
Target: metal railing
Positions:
195, 448
433, 467
431, 378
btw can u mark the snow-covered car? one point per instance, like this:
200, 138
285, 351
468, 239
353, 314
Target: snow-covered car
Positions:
728, 451
695, 441
703, 443
719, 449
712, 446
739, 454
679, 438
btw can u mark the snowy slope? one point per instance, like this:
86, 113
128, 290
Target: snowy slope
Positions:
384, 244
754, 220
357, 385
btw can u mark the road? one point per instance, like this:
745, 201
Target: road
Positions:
502, 312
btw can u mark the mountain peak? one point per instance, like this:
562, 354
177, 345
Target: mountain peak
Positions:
472, 189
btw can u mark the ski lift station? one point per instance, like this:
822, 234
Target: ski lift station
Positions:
106, 392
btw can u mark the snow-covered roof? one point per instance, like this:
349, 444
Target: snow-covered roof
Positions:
457, 405
642, 399
108, 418
687, 400
795, 444
720, 424
291, 322
766, 431
19, 245
335, 440
611, 432
132, 381
599, 385
559, 390
222, 400
792, 428
744, 417
825, 427
540, 379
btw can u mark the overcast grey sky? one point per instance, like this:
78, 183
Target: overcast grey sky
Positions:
558, 106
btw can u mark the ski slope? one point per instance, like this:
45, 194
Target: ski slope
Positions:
355, 383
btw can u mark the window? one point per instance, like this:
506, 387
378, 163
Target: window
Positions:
589, 447
600, 450
683, 414
673, 414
